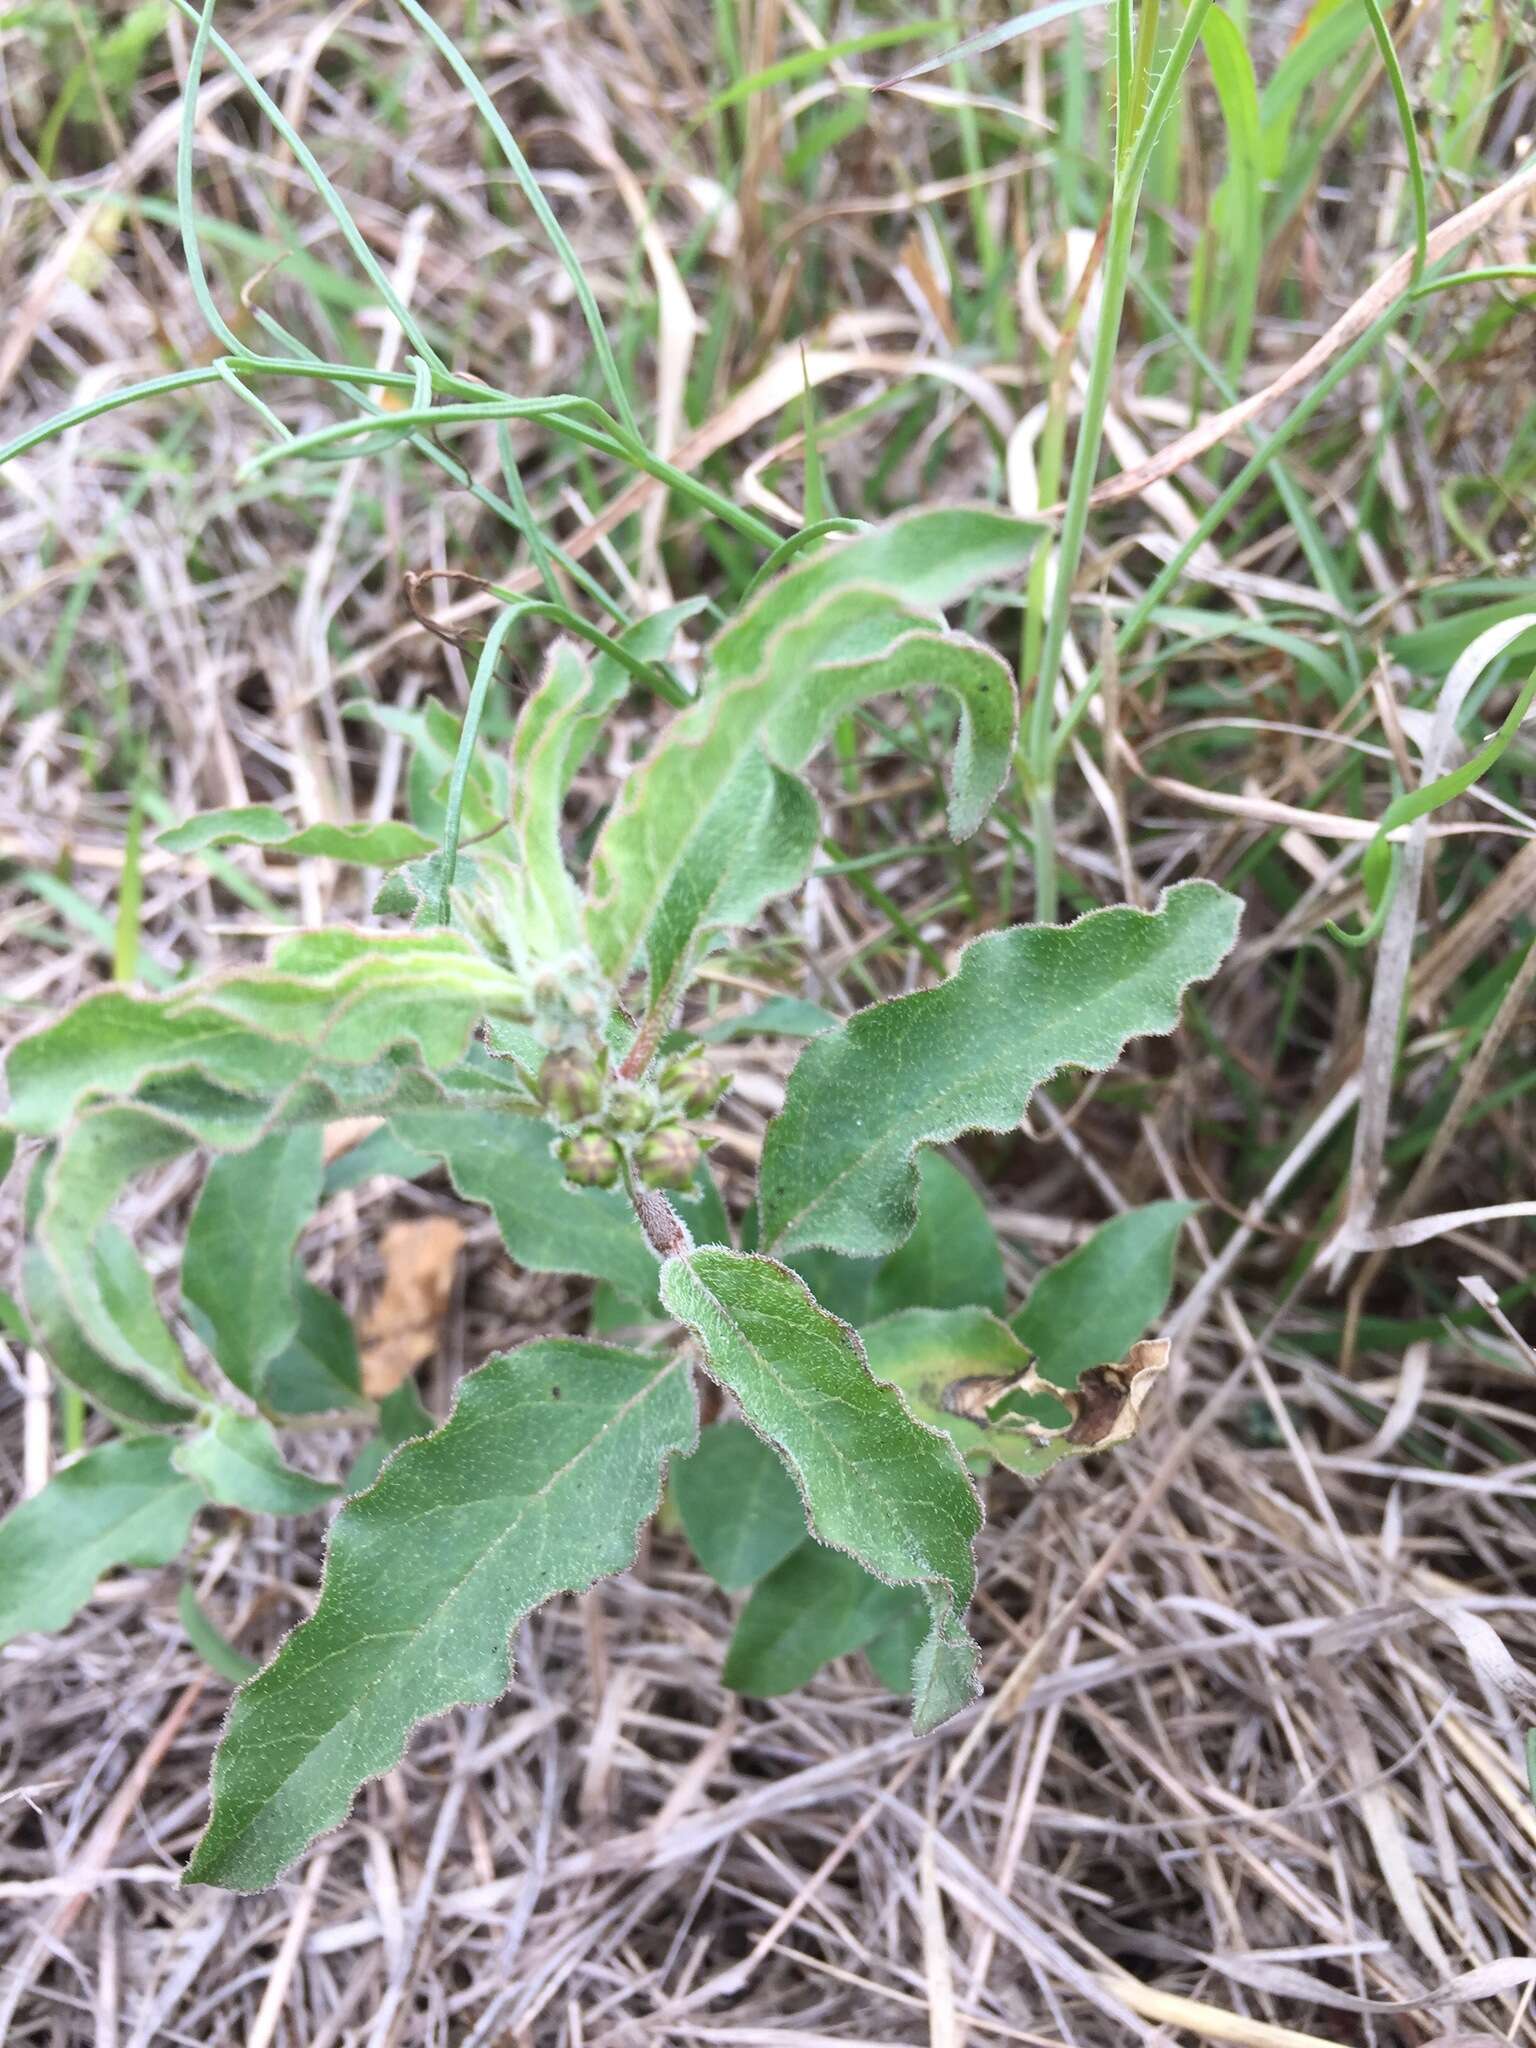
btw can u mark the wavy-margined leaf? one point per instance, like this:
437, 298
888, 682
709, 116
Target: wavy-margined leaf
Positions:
818, 1604
768, 678
236, 1461
837, 1163
237, 1266
536, 1485
120, 1505
1090, 1307
887, 1489
327, 999
382, 845
126, 1395
739, 1507
757, 841
546, 1224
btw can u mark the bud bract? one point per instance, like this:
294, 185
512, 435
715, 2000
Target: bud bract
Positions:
569, 1086
669, 1158
691, 1084
591, 1160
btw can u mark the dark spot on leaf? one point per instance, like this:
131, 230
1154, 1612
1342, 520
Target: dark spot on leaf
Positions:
554, 1393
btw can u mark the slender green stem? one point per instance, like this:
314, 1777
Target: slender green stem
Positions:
1040, 752
453, 813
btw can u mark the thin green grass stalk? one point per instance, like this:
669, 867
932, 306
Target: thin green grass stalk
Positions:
1133, 155
469, 732
542, 212
334, 203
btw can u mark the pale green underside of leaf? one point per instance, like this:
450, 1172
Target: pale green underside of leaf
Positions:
837, 1164
1091, 1307
123, 1394
923, 1351
236, 1461
547, 1225
382, 845
121, 1505
328, 1001
773, 675
876, 1483
537, 1484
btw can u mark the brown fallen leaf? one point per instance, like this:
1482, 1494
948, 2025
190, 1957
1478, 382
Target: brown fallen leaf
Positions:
403, 1325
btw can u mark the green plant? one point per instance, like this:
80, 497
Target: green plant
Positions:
513, 1020
521, 1032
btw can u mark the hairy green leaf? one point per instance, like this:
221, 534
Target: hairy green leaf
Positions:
120, 1505
126, 1395
547, 1225
818, 1604
318, 1370
837, 1163
756, 841
739, 1507
775, 672
1090, 1307
236, 1461
328, 1001
952, 1259
237, 1268
550, 924
885, 1488
535, 1485
383, 845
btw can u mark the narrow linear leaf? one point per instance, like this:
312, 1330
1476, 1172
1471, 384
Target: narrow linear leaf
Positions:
124, 1504
382, 845
876, 1483
838, 1162
818, 1604
237, 1268
1091, 1306
739, 1507
236, 1461
536, 1485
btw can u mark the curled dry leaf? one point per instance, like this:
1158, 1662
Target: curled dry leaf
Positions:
1105, 1406
401, 1328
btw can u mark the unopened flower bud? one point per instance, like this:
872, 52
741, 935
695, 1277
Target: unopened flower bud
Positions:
569, 1086
669, 1158
632, 1109
591, 1160
691, 1084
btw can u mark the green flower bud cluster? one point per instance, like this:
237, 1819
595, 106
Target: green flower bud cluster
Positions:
607, 1119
